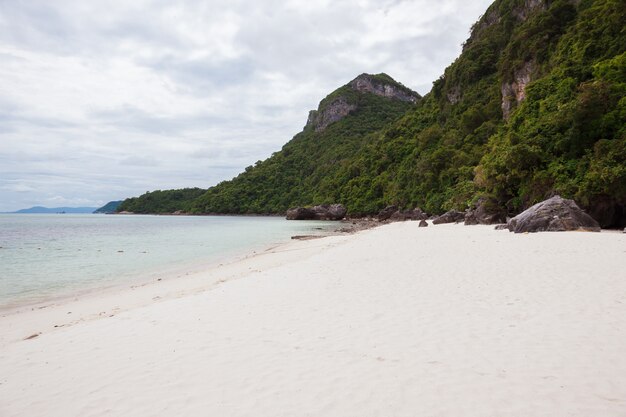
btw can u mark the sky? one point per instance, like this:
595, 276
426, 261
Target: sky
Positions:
104, 100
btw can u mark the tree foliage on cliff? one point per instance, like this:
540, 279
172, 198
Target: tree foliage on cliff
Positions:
566, 136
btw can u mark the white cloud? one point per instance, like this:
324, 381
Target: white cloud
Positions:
102, 100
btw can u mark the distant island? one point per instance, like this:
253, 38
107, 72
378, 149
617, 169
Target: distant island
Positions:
108, 208
53, 210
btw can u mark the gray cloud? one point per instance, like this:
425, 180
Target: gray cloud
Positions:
102, 100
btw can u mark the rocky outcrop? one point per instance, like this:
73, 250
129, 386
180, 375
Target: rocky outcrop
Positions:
300, 213
423, 223
451, 216
553, 215
403, 215
523, 11
484, 211
323, 212
454, 95
392, 213
514, 91
332, 112
335, 108
366, 83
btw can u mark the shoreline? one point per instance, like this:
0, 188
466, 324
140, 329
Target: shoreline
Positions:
397, 320
138, 279
106, 301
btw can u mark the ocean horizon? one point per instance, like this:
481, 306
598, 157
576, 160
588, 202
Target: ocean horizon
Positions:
44, 256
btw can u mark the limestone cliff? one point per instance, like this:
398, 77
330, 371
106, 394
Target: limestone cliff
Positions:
514, 92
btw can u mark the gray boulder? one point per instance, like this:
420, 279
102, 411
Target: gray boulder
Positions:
300, 213
555, 214
451, 216
418, 214
322, 212
387, 212
423, 223
329, 212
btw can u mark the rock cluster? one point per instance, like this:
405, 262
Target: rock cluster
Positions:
322, 212
392, 213
553, 215
451, 216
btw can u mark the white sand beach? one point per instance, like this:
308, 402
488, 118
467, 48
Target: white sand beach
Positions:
448, 320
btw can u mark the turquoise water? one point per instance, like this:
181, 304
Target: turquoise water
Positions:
47, 255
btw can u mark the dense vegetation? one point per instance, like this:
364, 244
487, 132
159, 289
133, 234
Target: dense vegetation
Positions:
564, 132
292, 176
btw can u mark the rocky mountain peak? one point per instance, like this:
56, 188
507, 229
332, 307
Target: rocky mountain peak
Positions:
384, 86
341, 102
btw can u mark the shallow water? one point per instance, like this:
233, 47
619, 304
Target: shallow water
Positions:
47, 255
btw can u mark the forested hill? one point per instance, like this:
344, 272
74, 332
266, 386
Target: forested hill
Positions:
535, 105
297, 175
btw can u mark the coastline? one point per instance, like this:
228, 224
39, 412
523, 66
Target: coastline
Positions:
398, 320
88, 303
92, 265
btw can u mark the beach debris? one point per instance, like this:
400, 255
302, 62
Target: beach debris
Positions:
451, 216
120, 251
32, 336
555, 214
423, 223
305, 237
502, 226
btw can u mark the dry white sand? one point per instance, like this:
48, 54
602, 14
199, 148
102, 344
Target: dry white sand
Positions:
447, 320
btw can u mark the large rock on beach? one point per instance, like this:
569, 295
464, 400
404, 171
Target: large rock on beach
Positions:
386, 213
321, 212
300, 213
555, 214
423, 223
451, 216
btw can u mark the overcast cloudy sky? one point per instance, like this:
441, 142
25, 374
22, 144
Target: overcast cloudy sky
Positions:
103, 100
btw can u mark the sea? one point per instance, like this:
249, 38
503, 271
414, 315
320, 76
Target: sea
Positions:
43, 256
